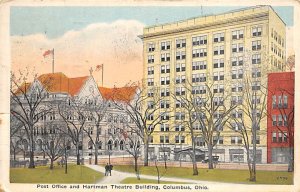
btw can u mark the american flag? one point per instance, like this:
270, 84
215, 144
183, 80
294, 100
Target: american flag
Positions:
99, 67
48, 52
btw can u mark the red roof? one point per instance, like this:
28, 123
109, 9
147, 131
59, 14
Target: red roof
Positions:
124, 94
59, 82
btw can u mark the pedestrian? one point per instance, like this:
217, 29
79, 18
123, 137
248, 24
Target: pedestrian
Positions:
106, 169
110, 168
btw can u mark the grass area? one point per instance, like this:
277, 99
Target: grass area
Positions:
42, 174
134, 180
220, 175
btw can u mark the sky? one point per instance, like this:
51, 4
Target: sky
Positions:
84, 37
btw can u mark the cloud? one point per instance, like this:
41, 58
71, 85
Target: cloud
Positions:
116, 45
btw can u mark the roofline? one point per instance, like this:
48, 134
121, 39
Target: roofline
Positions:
202, 16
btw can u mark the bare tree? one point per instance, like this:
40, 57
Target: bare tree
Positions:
53, 146
97, 113
159, 173
143, 110
133, 147
290, 63
247, 122
209, 108
27, 104
16, 137
74, 114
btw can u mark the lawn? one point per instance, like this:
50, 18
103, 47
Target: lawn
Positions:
134, 180
220, 175
42, 174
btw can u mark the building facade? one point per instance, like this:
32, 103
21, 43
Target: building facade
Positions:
64, 92
219, 50
280, 133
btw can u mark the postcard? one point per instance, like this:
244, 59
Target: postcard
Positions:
149, 96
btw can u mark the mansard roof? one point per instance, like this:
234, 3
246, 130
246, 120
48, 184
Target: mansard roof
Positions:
124, 94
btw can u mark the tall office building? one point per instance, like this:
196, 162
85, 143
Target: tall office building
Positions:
219, 50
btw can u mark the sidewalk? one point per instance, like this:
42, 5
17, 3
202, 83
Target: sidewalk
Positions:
118, 176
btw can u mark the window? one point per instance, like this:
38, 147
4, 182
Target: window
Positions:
180, 91
162, 139
180, 55
255, 85
150, 93
179, 116
198, 89
200, 141
165, 80
199, 53
256, 45
218, 37
151, 47
150, 70
218, 76
219, 50
179, 139
280, 137
150, 58
165, 57
165, 45
256, 31
256, 72
237, 47
164, 92
150, 117
164, 127
274, 137
164, 116
199, 77
165, 69
238, 34
236, 140
279, 120
198, 65
180, 43
199, 40
180, 79
285, 101
256, 59
257, 140
218, 89
180, 67
285, 123
150, 81
284, 137
218, 63
179, 127
274, 105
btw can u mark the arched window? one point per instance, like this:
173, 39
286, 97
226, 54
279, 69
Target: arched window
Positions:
39, 145
109, 145
90, 145
116, 145
25, 144
100, 145
122, 145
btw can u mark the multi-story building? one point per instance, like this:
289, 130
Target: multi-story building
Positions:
62, 92
280, 133
219, 50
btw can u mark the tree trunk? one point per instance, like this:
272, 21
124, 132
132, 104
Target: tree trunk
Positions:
136, 167
14, 154
66, 162
51, 163
78, 156
24, 154
96, 155
31, 159
146, 163
210, 159
291, 160
252, 177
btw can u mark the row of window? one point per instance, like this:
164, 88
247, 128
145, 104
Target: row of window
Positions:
202, 39
199, 53
279, 101
279, 120
279, 137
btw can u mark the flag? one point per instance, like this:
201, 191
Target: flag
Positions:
99, 67
48, 52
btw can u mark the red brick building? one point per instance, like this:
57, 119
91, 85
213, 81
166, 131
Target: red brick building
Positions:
280, 112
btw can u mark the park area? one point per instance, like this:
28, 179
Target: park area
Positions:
84, 174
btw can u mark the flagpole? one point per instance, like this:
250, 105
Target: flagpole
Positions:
102, 74
53, 60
